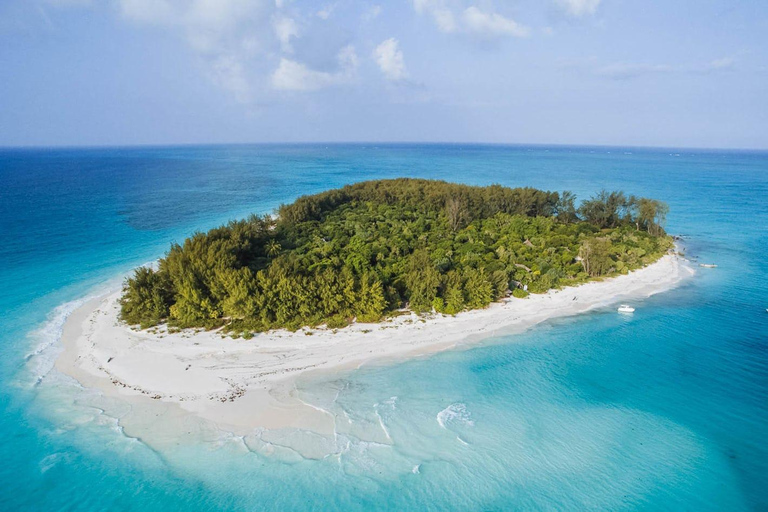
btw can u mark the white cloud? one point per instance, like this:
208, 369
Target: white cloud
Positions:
285, 29
390, 59
372, 13
250, 46
296, 76
625, 71
440, 13
445, 20
227, 35
492, 24
450, 18
347, 58
724, 63
69, 3
227, 73
578, 8
325, 12
149, 11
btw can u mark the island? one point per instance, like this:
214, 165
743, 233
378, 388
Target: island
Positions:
221, 328
368, 250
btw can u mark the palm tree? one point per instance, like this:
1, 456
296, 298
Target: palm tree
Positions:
273, 248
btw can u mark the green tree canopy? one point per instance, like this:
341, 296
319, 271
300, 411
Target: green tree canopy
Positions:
367, 249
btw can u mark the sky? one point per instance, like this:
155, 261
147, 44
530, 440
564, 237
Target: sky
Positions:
672, 73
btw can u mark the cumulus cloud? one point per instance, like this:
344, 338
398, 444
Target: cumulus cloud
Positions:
285, 29
491, 23
251, 46
441, 14
451, 18
296, 76
390, 59
227, 35
325, 12
578, 8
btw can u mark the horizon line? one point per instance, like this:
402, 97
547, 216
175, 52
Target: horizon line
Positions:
54, 147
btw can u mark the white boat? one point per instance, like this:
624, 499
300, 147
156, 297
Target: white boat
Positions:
708, 265
626, 309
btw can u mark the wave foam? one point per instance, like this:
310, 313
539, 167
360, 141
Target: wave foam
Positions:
46, 340
381, 422
454, 413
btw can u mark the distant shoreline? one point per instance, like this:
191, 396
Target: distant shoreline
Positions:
240, 385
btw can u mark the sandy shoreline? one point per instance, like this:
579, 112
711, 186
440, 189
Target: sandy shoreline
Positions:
240, 385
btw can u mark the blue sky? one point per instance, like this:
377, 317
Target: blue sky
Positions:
683, 73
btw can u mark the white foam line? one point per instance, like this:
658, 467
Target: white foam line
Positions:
381, 422
52, 328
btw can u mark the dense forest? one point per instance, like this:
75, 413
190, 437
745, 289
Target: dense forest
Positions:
366, 250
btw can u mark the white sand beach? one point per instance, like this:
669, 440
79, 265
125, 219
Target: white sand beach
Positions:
240, 385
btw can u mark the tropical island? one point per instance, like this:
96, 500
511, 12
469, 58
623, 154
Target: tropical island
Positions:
369, 250
229, 325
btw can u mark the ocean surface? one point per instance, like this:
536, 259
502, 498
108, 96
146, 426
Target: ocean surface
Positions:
663, 410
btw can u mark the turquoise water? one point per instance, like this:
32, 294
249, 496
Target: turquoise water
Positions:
665, 410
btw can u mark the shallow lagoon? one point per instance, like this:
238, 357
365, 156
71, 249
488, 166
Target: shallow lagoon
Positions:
663, 409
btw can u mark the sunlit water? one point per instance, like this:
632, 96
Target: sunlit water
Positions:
666, 409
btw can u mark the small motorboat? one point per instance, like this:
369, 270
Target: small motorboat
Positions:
708, 265
626, 309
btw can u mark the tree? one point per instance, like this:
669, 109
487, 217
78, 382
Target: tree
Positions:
146, 298
456, 213
651, 215
477, 288
566, 207
596, 256
370, 299
500, 282
273, 248
660, 219
421, 280
240, 286
367, 248
605, 209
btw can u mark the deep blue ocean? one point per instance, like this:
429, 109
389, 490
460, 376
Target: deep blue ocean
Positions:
666, 410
